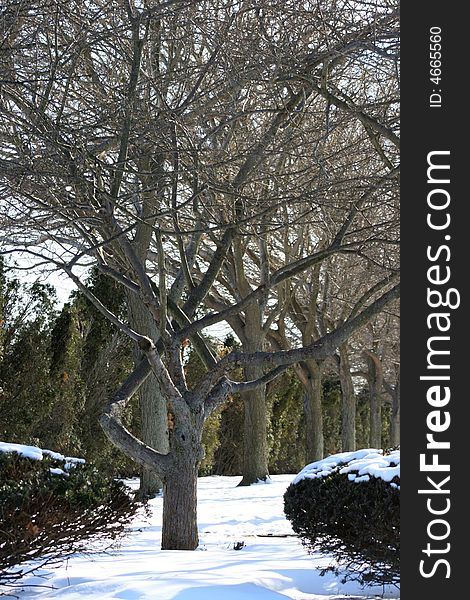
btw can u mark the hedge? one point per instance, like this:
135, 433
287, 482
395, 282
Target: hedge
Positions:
50, 508
349, 506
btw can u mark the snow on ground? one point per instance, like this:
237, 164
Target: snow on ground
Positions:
359, 465
266, 568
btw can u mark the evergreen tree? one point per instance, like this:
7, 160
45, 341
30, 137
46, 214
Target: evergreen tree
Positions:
26, 316
59, 428
106, 357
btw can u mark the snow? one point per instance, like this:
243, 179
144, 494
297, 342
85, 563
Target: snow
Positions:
72, 462
57, 472
359, 465
54, 455
38, 453
272, 564
25, 451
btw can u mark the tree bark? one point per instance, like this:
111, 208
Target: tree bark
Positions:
313, 412
179, 530
255, 446
255, 450
375, 380
395, 416
348, 405
154, 430
153, 409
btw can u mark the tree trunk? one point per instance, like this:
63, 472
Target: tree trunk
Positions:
375, 436
255, 450
395, 416
375, 380
313, 412
154, 431
255, 446
153, 409
362, 422
179, 530
348, 405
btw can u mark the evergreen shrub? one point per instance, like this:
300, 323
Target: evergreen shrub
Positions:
50, 508
357, 522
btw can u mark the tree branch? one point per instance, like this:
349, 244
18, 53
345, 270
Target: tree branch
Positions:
111, 422
319, 350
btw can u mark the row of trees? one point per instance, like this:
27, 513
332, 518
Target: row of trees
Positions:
221, 162
55, 401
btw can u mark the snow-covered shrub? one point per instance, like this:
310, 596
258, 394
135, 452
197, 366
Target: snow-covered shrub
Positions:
50, 505
348, 505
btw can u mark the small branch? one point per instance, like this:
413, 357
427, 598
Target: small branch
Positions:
122, 279
198, 294
188, 256
161, 283
137, 337
149, 297
126, 127
204, 72
225, 387
276, 278
357, 205
199, 344
248, 386
365, 119
371, 292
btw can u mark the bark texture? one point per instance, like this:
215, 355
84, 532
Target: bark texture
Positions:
179, 530
153, 409
255, 450
395, 416
313, 412
180, 507
255, 446
348, 405
375, 381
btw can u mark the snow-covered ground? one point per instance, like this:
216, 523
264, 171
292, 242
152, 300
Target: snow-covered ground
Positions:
266, 568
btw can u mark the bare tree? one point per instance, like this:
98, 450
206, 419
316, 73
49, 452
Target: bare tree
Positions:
137, 138
362, 347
